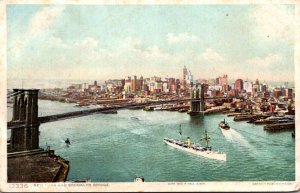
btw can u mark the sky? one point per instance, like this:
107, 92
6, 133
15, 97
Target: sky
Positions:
114, 41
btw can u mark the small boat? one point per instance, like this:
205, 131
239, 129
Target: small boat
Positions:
67, 141
293, 134
139, 179
224, 125
135, 118
196, 148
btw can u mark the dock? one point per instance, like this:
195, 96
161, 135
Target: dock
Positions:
218, 109
280, 126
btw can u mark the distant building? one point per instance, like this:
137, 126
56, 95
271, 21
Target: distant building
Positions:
133, 84
140, 83
239, 86
226, 88
264, 88
248, 86
288, 93
185, 72
256, 86
127, 86
233, 92
277, 93
223, 80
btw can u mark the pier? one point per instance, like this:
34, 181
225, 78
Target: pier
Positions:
280, 126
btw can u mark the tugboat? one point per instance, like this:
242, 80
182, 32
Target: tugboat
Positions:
224, 125
196, 148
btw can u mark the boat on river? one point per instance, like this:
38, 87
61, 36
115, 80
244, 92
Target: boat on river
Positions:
224, 125
196, 148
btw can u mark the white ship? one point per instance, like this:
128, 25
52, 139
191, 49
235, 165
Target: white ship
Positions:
196, 148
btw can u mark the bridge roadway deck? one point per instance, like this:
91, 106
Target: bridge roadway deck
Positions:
63, 116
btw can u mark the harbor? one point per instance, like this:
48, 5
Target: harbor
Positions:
103, 138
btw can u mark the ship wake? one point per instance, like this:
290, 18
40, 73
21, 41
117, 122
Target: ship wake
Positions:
235, 137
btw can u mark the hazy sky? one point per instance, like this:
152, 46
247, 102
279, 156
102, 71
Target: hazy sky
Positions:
109, 41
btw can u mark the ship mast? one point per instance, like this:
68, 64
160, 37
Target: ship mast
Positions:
206, 138
180, 132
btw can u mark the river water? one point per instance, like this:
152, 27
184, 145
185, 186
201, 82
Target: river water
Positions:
119, 147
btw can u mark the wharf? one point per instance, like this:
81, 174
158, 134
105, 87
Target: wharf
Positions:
249, 117
280, 126
36, 166
219, 109
235, 114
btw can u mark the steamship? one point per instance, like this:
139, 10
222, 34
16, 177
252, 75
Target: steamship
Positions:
196, 148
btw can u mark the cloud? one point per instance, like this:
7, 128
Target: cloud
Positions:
210, 55
87, 42
40, 22
43, 19
182, 37
267, 61
274, 21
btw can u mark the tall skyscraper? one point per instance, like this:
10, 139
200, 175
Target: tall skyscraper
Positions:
185, 72
223, 80
239, 85
248, 86
133, 84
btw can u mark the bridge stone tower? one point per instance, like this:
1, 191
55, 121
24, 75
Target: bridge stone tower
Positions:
25, 113
197, 96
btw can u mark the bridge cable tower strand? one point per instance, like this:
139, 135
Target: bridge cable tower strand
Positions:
197, 99
25, 112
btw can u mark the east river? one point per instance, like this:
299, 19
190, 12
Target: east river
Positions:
119, 147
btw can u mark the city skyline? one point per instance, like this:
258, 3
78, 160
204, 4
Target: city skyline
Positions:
241, 40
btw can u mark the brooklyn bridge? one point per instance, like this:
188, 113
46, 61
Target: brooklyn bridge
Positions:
24, 126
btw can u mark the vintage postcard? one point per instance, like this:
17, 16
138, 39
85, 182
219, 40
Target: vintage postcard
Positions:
152, 96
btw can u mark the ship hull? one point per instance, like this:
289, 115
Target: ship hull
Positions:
222, 126
207, 154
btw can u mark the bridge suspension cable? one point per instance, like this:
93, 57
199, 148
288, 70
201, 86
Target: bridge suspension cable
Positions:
12, 94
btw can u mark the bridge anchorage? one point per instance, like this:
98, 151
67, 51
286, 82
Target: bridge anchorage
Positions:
197, 100
24, 156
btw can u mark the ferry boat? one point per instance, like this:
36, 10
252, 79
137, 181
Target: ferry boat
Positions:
196, 148
224, 125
